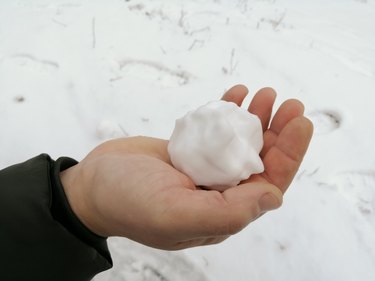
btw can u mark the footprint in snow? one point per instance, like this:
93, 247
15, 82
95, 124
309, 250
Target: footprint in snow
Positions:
325, 121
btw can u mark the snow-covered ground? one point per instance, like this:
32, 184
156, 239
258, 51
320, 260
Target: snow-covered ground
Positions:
74, 73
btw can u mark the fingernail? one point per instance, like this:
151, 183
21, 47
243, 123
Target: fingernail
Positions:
268, 202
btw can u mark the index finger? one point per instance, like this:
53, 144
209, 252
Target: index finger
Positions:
236, 94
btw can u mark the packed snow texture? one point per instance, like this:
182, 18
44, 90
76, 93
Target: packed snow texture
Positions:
217, 145
74, 73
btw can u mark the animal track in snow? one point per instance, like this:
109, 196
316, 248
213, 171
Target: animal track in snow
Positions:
325, 121
151, 70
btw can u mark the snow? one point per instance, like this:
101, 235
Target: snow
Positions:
217, 145
74, 73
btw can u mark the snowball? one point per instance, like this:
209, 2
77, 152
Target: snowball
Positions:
217, 145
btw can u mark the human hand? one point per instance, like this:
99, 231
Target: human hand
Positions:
128, 187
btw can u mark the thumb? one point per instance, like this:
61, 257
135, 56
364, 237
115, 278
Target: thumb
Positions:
267, 196
214, 214
249, 200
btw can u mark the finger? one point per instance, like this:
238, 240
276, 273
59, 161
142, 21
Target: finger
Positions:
214, 214
261, 105
283, 159
236, 94
289, 110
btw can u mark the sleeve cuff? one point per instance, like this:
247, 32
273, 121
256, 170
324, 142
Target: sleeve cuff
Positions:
62, 212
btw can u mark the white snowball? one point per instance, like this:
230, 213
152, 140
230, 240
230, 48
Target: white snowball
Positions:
217, 145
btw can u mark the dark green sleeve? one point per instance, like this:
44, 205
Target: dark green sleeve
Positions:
40, 237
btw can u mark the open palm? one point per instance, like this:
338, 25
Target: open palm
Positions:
128, 187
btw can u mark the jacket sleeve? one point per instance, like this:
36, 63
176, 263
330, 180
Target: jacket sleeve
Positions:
40, 236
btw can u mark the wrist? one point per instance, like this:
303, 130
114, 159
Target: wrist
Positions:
64, 207
78, 200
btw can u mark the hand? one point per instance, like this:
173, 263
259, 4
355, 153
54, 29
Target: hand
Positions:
128, 187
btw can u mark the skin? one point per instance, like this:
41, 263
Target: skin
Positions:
128, 187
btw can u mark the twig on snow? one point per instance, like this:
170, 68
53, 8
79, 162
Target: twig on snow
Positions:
93, 33
232, 64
